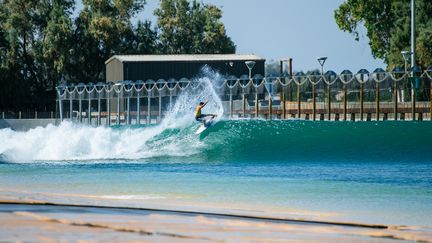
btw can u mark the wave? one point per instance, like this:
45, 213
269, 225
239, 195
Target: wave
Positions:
226, 141
174, 139
70, 141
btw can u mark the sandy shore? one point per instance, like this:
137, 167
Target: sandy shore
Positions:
46, 222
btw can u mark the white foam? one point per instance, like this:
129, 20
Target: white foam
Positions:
70, 141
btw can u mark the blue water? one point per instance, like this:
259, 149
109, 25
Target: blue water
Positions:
362, 172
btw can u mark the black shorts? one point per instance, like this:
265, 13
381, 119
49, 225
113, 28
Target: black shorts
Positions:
201, 117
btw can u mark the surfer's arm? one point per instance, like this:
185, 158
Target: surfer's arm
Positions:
205, 103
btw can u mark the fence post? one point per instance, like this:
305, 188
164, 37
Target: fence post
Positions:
345, 103
289, 92
148, 108
270, 107
395, 101
19, 115
70, 107
289, 85
283, 104
128, 118
138, 112
313, 102
281, 95
329, 101
89, 110
80, 109
361, 99
298, 101
256, 104
52, 115
118, 108
160, 107
377, 100
413, 101
3, 116
231, 104
99, 111
244, 104
109, 111
36, 115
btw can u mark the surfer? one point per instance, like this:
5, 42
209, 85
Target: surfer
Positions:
200, 117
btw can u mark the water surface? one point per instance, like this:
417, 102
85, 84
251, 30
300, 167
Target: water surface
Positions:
350, 171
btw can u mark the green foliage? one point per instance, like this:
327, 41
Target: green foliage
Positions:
57, 41
191, 28
42, 43
103, 28
27, 65
272, 68
388, 27
145, 40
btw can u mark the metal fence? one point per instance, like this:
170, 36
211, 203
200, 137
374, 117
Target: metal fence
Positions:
27, 115
377, 95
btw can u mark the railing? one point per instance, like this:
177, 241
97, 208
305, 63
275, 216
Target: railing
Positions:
27, 115
378, 95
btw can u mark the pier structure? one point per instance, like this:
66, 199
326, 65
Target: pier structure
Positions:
355, 96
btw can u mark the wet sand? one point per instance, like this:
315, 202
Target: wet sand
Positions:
40, 221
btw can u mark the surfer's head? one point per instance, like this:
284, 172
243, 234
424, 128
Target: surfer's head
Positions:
201, 103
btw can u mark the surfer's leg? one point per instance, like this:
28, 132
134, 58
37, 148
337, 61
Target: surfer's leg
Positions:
201, 118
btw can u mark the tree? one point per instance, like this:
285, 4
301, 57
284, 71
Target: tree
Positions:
145, 38
102, 29
57, 42
194, 28
388, 27
141, 40
41, 43
29, 77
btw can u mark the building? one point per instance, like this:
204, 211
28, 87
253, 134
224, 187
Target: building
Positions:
155, 67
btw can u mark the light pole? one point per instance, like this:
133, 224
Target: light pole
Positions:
119, 87
413, 37
249, 65
406, 56
413, 64
321, 61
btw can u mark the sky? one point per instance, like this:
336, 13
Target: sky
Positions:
299, 29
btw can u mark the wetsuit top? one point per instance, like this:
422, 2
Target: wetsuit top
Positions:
198, 111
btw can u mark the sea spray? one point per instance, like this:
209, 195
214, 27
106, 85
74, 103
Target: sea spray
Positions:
174, 136
70, 141
200, 90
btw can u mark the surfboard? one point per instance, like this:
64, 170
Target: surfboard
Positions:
202, 128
